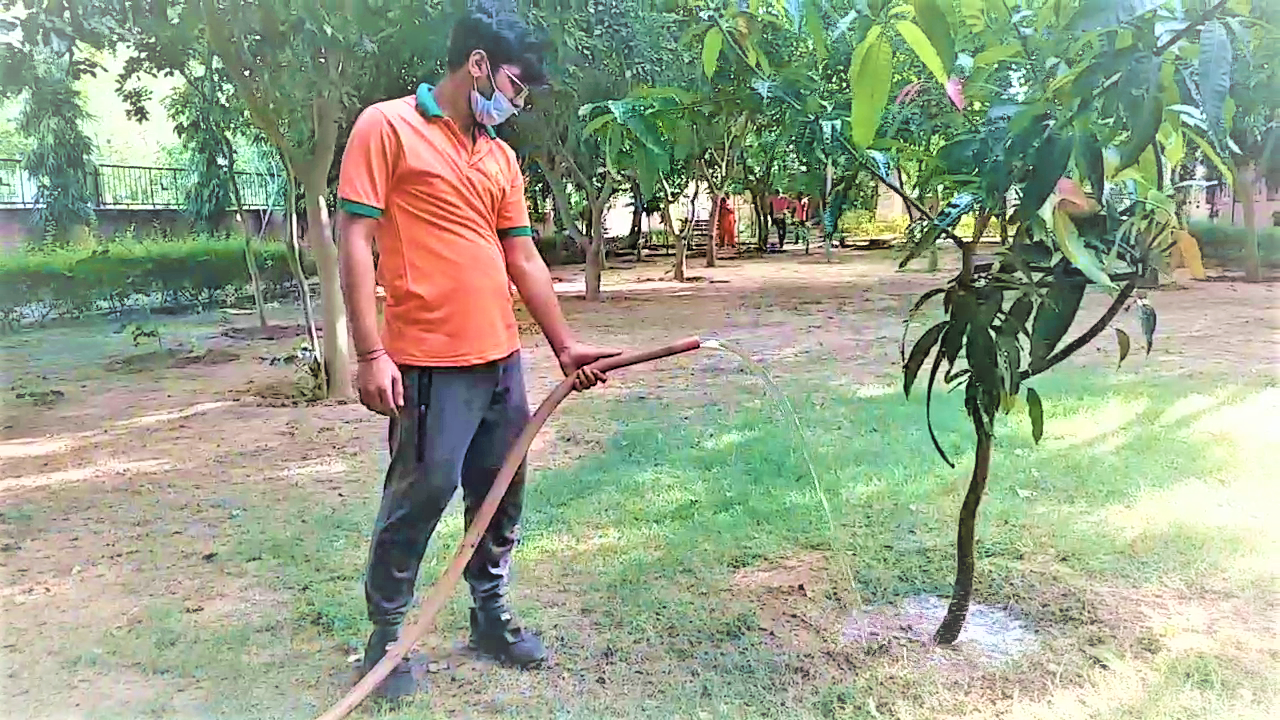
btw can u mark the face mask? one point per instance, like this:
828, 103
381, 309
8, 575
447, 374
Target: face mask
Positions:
491, 111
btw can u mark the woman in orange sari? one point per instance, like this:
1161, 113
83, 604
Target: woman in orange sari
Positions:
727, 226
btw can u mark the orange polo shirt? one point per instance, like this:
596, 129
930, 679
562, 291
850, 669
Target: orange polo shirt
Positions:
443, 205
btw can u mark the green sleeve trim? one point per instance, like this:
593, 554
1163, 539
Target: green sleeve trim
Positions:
360, 209
524, 231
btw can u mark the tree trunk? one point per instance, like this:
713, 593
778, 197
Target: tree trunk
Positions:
678, 271
637, 215
595, 249
759, 209
962, 593
1244, 190
295, 264
595, 266
336, 355
715, 228
826, 193
255, 280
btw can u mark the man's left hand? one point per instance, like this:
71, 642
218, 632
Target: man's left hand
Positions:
576, 356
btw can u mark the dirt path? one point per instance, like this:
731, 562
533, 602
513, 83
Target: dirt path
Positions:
117, 494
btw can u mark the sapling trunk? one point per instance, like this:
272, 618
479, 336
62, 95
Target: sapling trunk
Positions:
294, 252
255, 281
1244, 190
678, 239
962, 593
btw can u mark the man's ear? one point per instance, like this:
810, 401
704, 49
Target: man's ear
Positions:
478, 63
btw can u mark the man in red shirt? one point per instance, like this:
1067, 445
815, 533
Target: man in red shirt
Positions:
779, 206
427, 178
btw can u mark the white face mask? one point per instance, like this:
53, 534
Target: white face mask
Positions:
491, 111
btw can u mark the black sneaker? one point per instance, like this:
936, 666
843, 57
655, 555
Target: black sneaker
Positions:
497, 634
399, 684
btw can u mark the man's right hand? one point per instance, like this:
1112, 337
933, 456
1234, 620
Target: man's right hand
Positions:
380, 385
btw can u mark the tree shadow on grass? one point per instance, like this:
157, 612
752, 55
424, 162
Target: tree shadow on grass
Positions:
644, 540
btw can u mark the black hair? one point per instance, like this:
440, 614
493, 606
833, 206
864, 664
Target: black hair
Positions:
504, 38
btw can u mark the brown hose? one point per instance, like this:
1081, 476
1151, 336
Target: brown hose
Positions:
439, 593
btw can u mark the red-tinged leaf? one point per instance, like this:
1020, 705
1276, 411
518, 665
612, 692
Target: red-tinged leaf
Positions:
955, 91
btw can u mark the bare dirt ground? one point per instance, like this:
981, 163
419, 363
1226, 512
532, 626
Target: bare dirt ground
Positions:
94, 477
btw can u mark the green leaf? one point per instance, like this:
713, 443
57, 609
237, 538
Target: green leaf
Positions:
859, 52
1072, 245
920, 353
906, 322
962, 313
871, 91
928, 410
1011, 358
933, 20
1049, 162
1147, 315
1035, 411
991, 56
1144, 124
1215, 74
596, 124
980, 355
973, 13
919, 43
1209, 152
711, 46
1015, 320
813, 25
1053, 318
1089, 160
1099, 14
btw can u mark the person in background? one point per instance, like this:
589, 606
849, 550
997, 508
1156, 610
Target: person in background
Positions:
444, 197
727, 226
778, 208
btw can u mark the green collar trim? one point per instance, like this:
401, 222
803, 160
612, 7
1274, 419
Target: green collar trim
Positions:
428, 106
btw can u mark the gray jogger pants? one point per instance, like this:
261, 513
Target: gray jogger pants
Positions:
456, 426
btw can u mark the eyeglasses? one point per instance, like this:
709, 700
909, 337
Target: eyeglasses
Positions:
523, 90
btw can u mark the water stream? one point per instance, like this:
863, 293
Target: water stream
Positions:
802, 438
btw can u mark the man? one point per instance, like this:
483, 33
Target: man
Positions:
426, 176
779, 206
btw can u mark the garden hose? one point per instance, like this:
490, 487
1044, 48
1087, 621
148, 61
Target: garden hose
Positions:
443, 587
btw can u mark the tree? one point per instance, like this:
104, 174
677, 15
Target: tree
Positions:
301, 69
598, 50
207, 118
1076, 145
45, 65
1238, 79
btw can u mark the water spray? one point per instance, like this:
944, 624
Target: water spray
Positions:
443, 588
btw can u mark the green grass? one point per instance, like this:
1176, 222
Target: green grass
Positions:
1146, 485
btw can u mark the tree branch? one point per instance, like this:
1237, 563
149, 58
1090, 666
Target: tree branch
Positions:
1088, 335
218, 35
1205, 17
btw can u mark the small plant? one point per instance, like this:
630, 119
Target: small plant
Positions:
140, 333
310, 380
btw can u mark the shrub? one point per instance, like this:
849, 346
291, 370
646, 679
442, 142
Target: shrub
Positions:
1223, 244
863, 223
195, 271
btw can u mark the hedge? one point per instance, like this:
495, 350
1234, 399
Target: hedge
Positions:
1224, 244
195, 271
